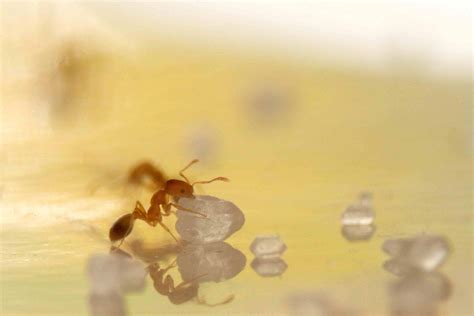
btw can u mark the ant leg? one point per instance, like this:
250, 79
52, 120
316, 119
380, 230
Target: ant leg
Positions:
190, 281
169, 231
179, 207
140, 212
188, 165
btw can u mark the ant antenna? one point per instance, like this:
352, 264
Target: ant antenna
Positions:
189, 165
212, 180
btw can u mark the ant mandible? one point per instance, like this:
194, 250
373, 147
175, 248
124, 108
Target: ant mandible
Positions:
159, 206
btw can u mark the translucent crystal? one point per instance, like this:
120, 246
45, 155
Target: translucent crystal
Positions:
358, 214
223, 219
268, 246
269, 267
107, 304
115, 274
396, 247
398, 267
426, 252
317, 304
358, 232
210, 262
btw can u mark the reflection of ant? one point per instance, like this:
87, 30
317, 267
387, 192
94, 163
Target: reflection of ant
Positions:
146, 172
159, 206
183, 292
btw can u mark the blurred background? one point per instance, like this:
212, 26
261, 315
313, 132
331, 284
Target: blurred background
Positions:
302, 105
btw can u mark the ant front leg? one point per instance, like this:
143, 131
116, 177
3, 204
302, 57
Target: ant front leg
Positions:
168, 230
167, 209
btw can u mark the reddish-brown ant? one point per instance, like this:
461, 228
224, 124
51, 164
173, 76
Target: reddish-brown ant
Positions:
159, 206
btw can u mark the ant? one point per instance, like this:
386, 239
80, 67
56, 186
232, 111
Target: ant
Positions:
183, 292
159, 206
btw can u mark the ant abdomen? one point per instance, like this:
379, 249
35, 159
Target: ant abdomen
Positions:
121, 228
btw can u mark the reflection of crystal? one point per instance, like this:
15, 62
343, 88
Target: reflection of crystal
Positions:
358, 214
426, 252
358, 232
419, 293
115, 274
223, 219
210, 262
107, 304
268, 267
398, 267
268, 246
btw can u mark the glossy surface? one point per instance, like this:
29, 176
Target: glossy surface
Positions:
404, 137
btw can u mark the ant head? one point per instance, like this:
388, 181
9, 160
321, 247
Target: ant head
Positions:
178, 188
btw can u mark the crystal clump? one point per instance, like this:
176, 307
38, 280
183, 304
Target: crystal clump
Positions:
269, 246
357, 220
358, 232
419, 293
425, 252
360, 213
223, 219
269, 267
111, 276
317, 304
267, 250
115, 274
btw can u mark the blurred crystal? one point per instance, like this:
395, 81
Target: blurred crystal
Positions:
316, 304
358, 214
269, 267
115, 274
398, 267
111, 304
419, 293
425, 252
269, 103
358, 232
268, 246
396, 247
210, 262
223, 219
361, 212
365, 198
202, 142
